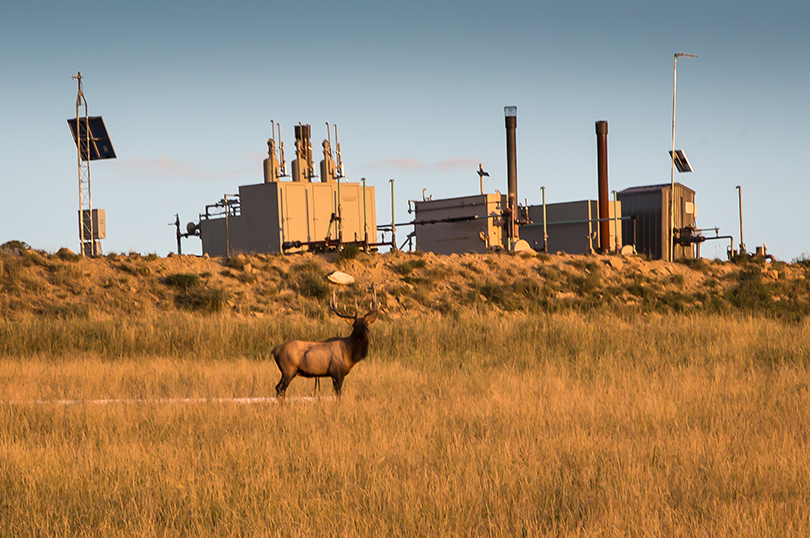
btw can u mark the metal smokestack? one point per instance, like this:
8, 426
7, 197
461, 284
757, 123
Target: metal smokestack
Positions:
511, 168
602, 171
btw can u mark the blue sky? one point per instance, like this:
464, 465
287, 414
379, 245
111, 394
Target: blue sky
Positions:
188, 90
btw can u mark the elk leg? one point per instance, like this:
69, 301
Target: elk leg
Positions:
283, 383
317, 386
337, 383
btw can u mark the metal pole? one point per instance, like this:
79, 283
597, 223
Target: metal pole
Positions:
545, 222
227, 230
616, 221
365, 218
671, 238
393, 220
672, 171
339, 215
177, 232
742, 242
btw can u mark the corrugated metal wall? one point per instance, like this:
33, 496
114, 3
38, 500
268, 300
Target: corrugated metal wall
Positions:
650, 207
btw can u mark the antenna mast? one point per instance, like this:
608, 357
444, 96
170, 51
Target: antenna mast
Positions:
88, 246
92, 142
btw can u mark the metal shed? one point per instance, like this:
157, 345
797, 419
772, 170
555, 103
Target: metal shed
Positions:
649, 208
267, 215
573, 227
459, 225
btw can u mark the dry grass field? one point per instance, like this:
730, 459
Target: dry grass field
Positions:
583, 415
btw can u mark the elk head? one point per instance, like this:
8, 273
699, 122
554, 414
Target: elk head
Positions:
359, 324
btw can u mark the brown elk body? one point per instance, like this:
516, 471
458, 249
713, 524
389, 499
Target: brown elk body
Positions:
333, 358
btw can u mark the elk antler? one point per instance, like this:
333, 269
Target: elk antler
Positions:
371, 314
334, 308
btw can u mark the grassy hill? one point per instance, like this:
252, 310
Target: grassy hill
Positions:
64, 285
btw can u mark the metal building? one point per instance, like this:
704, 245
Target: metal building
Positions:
271, 217
459, 225
572, 227
302, 214
649, 208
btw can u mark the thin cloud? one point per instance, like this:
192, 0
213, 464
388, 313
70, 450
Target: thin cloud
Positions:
457, 163
407, 164
139, 168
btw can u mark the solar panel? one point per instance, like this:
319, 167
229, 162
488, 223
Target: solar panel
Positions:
100, 146
681, 162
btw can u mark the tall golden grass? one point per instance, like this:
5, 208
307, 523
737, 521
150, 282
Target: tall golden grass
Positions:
547, 425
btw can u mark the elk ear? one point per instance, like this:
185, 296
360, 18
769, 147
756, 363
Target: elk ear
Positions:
370, 317
348, 320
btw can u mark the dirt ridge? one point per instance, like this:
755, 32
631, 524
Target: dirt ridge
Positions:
65, 285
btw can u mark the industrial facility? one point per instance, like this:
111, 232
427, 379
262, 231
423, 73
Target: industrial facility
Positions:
288, 216
637, 219
313, 211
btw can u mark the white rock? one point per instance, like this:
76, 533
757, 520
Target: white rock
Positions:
341, 278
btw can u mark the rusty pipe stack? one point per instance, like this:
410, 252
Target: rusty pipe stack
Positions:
511, 171
602, 175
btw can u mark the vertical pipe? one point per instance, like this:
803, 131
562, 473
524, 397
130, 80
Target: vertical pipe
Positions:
365, 218
511, 168
177, 232
227, 230
742, 241
282, 165
393, 220
604, 197
616, 221
339, 216
545, 229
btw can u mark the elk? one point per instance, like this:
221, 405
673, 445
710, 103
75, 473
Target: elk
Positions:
333, 358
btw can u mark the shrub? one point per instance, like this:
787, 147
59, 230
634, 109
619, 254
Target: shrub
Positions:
183, 281
134, 270
406, 268
639, 289
749, 293
802, 260
520, 295
201, 299
310, 279
585, 285
312, 285
698, 264
236, 262
471, 267
347, 253
674, 300
15, 247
